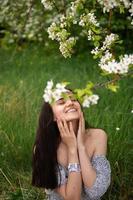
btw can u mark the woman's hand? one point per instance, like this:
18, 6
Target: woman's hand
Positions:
67, 134
81, 131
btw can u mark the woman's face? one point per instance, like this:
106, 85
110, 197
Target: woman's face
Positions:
67, 109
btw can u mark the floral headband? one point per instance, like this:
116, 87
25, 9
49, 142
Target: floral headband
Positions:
52, 94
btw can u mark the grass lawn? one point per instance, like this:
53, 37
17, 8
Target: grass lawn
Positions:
23, 76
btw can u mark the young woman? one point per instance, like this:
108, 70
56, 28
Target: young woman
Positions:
69, 160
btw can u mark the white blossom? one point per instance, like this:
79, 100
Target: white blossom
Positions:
56, 94
111, 4
63, 21
108, 4
109, 40
89, 35
66, 46
90, 100
117, 128
48, 5
95, 51
126, 3
47, 97
131, 9
106, 57
86, 103
51, 93
75, 5
88, 19
49, 85
113, 66
60, 86
52, 31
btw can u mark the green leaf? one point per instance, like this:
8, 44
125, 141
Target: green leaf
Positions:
122, 10
97, 37
113, 87
96, 43
66, 83
89, 85
80, 92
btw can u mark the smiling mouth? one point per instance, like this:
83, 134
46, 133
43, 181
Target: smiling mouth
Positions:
71, 110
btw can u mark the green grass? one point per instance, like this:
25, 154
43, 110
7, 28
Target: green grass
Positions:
23, 75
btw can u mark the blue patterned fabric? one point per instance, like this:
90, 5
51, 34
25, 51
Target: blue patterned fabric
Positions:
100, 186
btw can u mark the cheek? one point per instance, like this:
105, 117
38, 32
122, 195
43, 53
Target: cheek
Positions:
58, 113
78, 106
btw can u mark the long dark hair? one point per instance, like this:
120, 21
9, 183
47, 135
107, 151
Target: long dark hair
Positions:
44, 158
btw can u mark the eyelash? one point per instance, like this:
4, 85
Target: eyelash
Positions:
64, 101
61, 102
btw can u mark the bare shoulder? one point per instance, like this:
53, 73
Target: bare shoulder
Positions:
98, 138
96, 134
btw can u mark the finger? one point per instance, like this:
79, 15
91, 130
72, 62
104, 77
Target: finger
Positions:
79, 111
60, 126
71, 128
79, 129
82, 122
66, 129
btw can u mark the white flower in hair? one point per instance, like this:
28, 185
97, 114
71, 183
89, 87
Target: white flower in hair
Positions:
47, 98
61, 87
53, 94
49, 85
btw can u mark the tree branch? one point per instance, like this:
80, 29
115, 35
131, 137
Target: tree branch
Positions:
118, 77
57, 9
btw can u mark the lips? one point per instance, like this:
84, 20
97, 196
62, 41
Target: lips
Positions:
71, 110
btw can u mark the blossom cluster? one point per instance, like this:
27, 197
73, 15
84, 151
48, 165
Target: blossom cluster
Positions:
48, 5
66, 47
107, 61
111, 4
110, 65
87, 19
108, 4
23, 20
77, 4
53, 94
109, 41
131, 12
62, 36
53, 29
58, 28
90, 100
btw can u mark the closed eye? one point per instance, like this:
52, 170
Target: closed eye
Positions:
61, 101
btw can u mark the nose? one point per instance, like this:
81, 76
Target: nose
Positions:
69, 102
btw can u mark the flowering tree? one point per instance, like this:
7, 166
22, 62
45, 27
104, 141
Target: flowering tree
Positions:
82, 15
21, 21
68, 22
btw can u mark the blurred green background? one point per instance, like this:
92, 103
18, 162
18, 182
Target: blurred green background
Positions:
28, 59
23, 76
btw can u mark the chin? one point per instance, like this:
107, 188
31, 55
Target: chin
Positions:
72, 118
